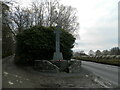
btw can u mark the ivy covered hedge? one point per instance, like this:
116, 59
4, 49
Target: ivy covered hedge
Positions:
38, 43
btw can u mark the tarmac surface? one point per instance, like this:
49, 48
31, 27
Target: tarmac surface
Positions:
25, 77
108, 72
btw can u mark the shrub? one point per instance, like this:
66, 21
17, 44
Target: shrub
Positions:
38, 43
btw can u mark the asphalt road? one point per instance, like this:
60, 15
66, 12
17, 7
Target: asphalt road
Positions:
0, 73
107, 72
25, 77
0, 61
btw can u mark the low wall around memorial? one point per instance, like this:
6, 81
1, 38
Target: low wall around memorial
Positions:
57, 66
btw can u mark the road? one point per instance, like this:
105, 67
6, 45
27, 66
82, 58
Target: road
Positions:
0, 60
107, 72
0, 73
25, 77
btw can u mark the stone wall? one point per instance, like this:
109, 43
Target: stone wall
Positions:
75, 66
45, 66
58, 66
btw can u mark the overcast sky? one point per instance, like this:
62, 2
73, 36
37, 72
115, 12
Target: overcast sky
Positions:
98, 23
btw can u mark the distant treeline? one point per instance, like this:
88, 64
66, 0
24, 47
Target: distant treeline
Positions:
111, 57
112, 51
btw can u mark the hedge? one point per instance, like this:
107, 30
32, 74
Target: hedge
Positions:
115, 62
38, 43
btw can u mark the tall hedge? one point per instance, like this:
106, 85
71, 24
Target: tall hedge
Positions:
38, 43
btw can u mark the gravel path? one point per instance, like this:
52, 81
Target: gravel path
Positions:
26, 77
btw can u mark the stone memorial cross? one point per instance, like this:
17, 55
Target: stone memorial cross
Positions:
57, 54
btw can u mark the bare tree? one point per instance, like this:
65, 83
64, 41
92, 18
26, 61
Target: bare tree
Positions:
91, 53
52, 6
38, 12
45, 13
7, 39
98, 52
105, 52
67, 18
21, 19
52, 13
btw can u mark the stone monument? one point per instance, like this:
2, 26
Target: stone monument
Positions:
56, 65
57, 53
